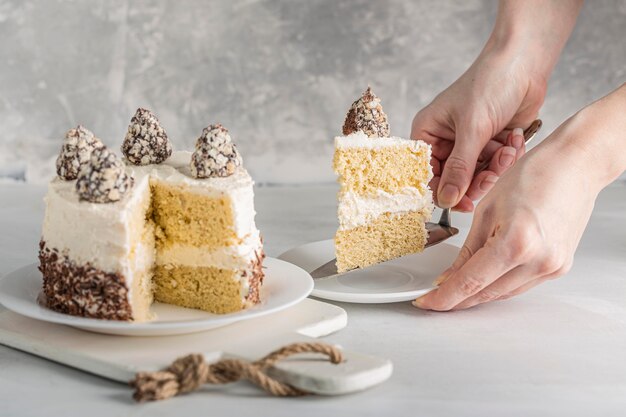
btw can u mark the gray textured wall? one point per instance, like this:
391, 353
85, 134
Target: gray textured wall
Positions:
280, 74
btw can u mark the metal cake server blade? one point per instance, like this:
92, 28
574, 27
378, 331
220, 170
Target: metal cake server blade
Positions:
437, 232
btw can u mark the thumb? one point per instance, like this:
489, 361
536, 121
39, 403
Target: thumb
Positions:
459, 167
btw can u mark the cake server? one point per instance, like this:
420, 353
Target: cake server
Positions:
437, 232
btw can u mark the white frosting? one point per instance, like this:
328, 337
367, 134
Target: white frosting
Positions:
229, 257
91, 232
106, 235
361, 140
355, 210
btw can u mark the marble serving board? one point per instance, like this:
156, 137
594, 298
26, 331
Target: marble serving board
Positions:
119, 357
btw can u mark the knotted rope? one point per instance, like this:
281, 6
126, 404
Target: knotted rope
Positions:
189, 372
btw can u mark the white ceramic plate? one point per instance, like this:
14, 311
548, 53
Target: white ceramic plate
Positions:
401, 279
284, 285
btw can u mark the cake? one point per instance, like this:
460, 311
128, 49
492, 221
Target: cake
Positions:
156, 225
384, 199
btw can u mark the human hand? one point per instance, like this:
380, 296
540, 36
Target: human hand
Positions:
473, 121
526, 230
502, 90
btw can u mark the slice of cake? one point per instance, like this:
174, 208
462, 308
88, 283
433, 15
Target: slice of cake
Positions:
384, 199
209, 251
172, 227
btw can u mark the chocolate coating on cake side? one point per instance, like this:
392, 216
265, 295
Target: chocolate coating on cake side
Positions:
82, 290
146, 141
366, 114
255, 276
75, 152
215, 154
103, 179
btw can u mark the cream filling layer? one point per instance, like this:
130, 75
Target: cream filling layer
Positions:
355, 210
228, 257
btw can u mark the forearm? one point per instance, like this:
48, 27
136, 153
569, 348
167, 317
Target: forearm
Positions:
601, 139
534, 31
592, 142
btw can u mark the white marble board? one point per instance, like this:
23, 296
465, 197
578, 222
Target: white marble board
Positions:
119, 357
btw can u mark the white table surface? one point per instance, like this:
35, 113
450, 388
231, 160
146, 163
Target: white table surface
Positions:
558, 350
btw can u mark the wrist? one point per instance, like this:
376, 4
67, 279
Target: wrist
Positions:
603, 135
592, 141
533, 32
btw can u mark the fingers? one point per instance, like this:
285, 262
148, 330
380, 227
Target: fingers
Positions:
519, 280
509, 264
522, 289
490, 148
516, 140
531, 284
471, 140
441, 148
458, 170
436, 166
502, 159
516, 282
478, 272
454, 161
428, 126
465, 205
507, 284
482, 183
475, 239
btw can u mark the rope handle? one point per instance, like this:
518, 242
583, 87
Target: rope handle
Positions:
188, 373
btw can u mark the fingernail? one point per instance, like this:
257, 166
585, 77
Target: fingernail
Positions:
443, 277
448, 196
419, 303
488, 183
507, 157
518, 138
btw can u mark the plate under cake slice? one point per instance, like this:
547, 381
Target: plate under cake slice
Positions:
157, 225
384, 199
